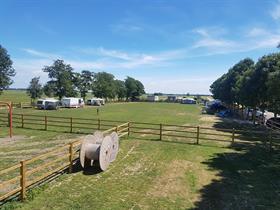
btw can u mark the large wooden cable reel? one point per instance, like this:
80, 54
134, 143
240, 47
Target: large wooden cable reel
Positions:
99, 148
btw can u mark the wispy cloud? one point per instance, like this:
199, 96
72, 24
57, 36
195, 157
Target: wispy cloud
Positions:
275, 12
41, 54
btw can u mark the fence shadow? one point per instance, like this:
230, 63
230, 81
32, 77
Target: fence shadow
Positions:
248, 179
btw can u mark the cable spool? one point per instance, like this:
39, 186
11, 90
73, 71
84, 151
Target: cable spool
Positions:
95, 147
98, 137
115, 146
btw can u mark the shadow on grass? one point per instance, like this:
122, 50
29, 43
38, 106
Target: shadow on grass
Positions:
89, 170
249, 178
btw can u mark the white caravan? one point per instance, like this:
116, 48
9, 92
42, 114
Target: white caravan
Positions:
48, 103
72, 102
96, 102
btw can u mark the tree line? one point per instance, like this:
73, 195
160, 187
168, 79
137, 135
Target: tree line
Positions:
65, 82
251, 85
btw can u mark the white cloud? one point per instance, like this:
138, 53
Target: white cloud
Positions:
275, 13
41, 54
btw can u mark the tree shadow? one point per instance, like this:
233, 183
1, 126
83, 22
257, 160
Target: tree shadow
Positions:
248, 178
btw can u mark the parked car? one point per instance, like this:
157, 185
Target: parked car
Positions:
273, 122
48, 103
72, 102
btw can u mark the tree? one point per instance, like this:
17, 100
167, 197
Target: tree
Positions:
84, 82
50, 89
35, 89
120, 89
134, 88
62, 77
6, 69
227, 87
273, 91
103, 85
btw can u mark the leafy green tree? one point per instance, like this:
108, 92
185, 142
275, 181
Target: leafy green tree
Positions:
103, 85
35, 89
134, 88
6, 69
62, 78
227, 87
273, 91
50, 89
84, 82
120, 89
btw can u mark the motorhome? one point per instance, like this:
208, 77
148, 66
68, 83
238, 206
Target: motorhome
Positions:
188, 101
152, 98
72, 102
96, 102
47, 103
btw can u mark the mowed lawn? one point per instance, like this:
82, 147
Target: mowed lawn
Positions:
152, 174
29, 142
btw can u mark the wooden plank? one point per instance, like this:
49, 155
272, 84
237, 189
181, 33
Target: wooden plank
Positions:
45, 165
145, 132
122, 125
124, 129
9, 169
5, 196
178, 131
10, 181
123, 134
46, 154
23, 180
47, 174
141, 128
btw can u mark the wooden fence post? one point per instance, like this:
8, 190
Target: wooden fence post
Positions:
128, 129
71, 124
99, 124
233, 135
117, 129
46, 122
197, 135
70, 157
22, 121
9, 119
160, 131
23, 180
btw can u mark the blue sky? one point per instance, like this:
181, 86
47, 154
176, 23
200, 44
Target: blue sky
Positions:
171, 46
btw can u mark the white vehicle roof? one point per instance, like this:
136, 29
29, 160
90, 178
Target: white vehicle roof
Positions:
48, 99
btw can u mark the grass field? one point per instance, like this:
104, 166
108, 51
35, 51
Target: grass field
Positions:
152, 174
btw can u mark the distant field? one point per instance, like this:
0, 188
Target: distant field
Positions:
14, 96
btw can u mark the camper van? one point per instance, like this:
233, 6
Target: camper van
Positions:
188, 101
72, 102
48, 104
96, 102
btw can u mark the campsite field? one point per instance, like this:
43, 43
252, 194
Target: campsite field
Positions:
151, 174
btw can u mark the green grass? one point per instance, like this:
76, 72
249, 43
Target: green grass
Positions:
14, 96
152, 174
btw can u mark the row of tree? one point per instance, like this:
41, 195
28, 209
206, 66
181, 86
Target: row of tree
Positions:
252, 85
64, 82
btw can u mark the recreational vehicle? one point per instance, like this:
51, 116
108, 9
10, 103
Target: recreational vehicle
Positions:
72, 102
96, 102
48, 103
152, 98
188, 101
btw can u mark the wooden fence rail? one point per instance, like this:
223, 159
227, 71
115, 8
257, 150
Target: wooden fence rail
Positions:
41, 167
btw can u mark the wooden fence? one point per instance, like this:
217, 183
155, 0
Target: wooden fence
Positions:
194, 134
17, 179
